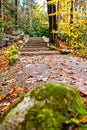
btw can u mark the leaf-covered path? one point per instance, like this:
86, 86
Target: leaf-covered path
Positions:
33, 70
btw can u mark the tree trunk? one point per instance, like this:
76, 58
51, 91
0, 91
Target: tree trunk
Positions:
52, 23
1, 15
0, 8
16, 15
71, 12
71, 20
24, 2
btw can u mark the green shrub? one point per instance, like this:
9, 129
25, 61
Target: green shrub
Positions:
2, 34
74, 36
12, 54
12, 59
63, 36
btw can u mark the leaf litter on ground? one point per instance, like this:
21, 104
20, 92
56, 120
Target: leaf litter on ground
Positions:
35, 70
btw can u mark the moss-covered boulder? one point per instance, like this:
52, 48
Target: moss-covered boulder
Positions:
50, 106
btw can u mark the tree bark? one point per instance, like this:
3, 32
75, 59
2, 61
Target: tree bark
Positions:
52, 23
0, 8
71, 20
16, 15
71, 12
1, 15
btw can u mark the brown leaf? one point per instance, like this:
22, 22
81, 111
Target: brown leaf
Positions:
49, 66
30, 76
11, 91
4, 83
20, 89
5, 108
74, 78
71, 73
83, 94
39, 80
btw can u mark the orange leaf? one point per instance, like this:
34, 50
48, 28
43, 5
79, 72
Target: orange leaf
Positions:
6, 107
85, 101
83, 120
84, 94
1, 98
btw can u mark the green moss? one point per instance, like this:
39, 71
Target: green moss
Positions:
52, 47
54, 107
55, 104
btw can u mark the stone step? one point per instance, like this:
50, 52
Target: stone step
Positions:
36, 38
39, 53
34, 49
36, 46
39, 44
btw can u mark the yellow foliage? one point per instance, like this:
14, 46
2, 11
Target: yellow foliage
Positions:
51, 2
76, 32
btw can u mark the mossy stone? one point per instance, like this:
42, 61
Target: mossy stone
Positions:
55, 105
50, 106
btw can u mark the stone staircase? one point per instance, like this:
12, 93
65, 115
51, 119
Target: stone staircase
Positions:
36, 46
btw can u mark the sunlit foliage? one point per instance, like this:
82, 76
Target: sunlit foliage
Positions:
71, 21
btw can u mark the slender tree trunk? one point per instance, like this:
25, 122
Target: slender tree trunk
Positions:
71, 12
24, 2
71, 20
1, 15
16, 15
0, 8
58, 19
52, 23
55, 25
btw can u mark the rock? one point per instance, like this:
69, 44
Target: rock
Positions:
65, 51
49, 106
45, 39
20, 44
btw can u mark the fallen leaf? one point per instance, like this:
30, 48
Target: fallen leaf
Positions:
49, 66
83, 94
30, 76
4, 83
71, 73
1, 98
5, 108
85, 101
83, 120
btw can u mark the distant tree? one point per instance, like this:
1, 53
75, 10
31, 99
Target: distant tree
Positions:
16, 13
0, 8
71, 12
1, 14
